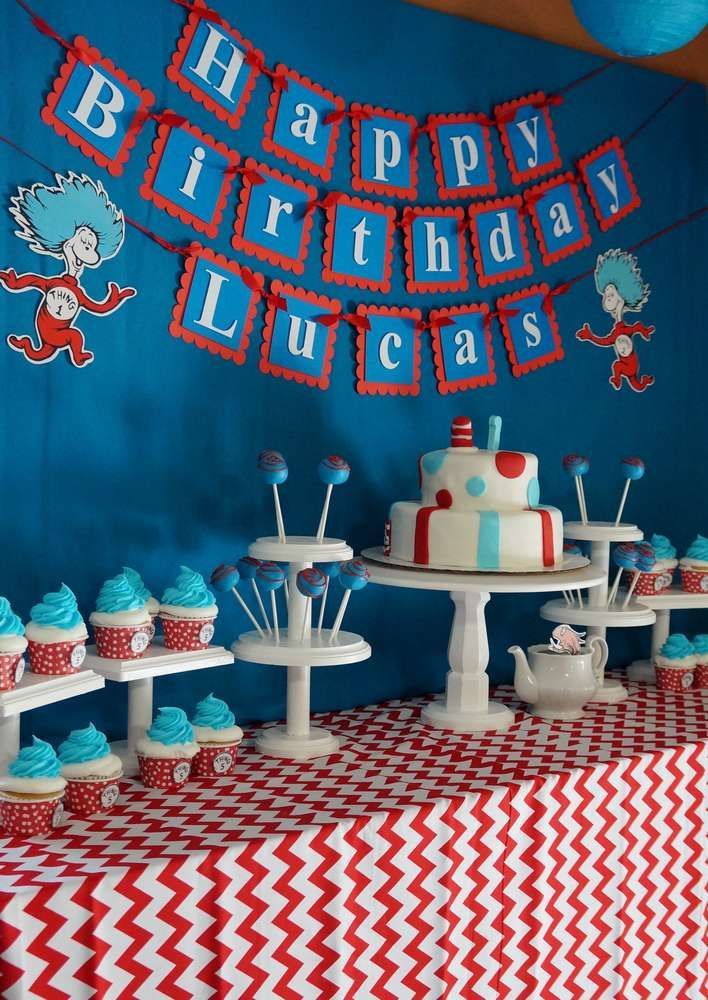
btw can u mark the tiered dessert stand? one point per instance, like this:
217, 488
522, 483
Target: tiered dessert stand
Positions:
596, 617
297, 739
138, 675
466, 707
662, 605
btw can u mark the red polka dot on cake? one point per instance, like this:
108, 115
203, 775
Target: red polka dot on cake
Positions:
443, 498
510, 464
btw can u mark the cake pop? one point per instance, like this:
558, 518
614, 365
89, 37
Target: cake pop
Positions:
333, 471
224, 579
274, 470
353, 576
577, 466
632, 468
311, 582
271, 577
494, 434
331, 570
645, 563
625, 556
248, 567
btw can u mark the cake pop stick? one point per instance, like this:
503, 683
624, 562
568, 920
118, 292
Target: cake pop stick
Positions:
353, 576
311, 583
645, 564
271, 577
494, 434
577, 466
248, 567
333, 471
632, 468
625, 557
224, 578
274, 470
331, 570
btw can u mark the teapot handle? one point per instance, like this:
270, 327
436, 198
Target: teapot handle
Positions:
600, 654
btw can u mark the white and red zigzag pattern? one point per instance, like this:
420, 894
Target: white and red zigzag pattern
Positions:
555, 861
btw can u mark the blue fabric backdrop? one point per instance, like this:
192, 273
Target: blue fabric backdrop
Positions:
147, 457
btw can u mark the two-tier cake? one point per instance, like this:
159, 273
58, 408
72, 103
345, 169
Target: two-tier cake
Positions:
479, 510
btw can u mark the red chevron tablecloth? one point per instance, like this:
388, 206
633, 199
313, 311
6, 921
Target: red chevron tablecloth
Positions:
553, 861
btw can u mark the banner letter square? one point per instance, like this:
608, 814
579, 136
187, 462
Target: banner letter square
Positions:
558, 217
609, 183
388, 354
358, 243
462, 351
499, 243
462, 155
384, 155
298, 341
434, 240
528, 138
528, 321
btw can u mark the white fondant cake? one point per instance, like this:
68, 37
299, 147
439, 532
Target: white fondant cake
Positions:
479, 510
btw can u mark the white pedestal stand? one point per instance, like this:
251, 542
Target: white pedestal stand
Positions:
34, 691
663, 605
466, 707
138, 675
297, 739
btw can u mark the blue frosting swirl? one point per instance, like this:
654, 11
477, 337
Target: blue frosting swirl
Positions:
83, 744
677, 646
118, 595
698, 549
213, 712
36, 761
700, 644
10, 624
663, 549
189, 590
58, 609
136, 582
171, 726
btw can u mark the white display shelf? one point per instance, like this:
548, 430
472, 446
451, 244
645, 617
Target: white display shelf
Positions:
35, 691
466, 707
635, 615
292, 652
300, 549
663, 604
602, 531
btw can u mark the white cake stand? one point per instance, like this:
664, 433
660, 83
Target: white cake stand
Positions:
466, 707
662, 605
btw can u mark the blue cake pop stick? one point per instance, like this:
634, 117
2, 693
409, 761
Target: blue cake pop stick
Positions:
248, 567
274, 470
225, 578
271, 577
311, 582
331, 570
632, 468
353, 576
333, 471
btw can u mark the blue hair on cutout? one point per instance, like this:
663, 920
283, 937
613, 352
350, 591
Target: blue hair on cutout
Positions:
49, 216
619, 268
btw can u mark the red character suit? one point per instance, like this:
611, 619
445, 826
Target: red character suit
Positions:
627, 363
62, 298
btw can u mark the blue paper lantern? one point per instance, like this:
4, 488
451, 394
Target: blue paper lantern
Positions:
642, 27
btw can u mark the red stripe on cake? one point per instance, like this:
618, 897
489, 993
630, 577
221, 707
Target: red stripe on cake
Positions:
421, 547
549, 558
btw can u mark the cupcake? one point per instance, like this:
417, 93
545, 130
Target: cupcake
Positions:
56, 634
92, 772
121, 622
694, 567
12, 647
675, 664
31, 792
165, 754
659, 580
700, 648
218, 736
187, 612
151, 603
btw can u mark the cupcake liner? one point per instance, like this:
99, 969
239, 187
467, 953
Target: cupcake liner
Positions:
163, 772
649, 584
187, 634
125, 642
12, 667
700, 676
56, 657
215, 760
694, 581
30, 817
91, 795
676, 679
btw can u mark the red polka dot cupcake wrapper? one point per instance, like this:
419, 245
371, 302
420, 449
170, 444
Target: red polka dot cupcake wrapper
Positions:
676, 679
215, 761
12, 667
128, 642
187, 634
85, 798
700, 676
164, 772
694, 581
56, 657
30, 817
649, 584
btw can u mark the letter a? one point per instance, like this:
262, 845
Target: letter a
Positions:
304, 127
466, 353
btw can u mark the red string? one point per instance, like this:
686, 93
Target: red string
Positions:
586, 76
431, 324
182, 251
205, 13
81, 55
361, 323
339, 114
650, 118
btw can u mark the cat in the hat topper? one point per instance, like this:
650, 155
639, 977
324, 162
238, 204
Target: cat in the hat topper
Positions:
76, 222
619, 281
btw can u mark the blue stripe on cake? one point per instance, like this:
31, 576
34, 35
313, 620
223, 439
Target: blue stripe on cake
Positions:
488, 540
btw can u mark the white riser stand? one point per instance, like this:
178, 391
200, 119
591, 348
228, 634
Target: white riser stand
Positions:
466, 707
663, 605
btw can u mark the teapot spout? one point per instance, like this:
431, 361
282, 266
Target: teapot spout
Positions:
524, 681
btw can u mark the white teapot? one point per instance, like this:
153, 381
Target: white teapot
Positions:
556, 685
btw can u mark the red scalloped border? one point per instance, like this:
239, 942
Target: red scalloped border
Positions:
351, 280
512, 201
333, 306
469, 190
365, 388
508, 300
113, 165
323, 171
174, 73
407, 225
607, 222
147, 191
176, 327
296, 265
374, 187
531, 196
436, 332
521, 176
